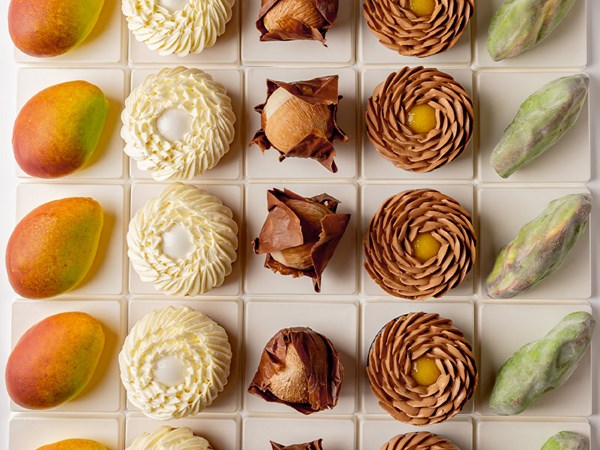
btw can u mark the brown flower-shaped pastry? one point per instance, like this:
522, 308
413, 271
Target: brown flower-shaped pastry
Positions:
314, 445
299, 368
421, 369
299, 120
300, 234
419, 244
420, 440
414, 98
290, 20
418, 27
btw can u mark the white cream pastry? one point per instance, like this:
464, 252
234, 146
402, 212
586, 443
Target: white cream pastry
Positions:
184, 241
174, 362
178, 123
177, 26
167, 438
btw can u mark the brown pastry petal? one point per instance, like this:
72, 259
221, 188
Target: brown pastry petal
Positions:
296, 19
300, 234
317, 142
388, 244
420, 440
314, 445
299, 368
399, 29
398, 345
388, 115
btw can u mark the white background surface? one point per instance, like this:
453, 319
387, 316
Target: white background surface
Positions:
8, 197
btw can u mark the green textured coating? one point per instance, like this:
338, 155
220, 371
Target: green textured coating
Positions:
519, 25
566, 440
543, 118
540, 248
542, 365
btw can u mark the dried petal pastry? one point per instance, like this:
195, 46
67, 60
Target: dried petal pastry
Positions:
420, 440
421, 369
300, 234
419, 119
299, 368
169, 438
299, 120
178, 123
418, 27
174, 362
177, 26
289, 20
314, 445
419, 244
184, 241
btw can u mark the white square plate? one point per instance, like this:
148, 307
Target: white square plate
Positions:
500, 95
376, 314
104, 392
107, 162
230, 166
267, 165
504, 327
231, 195
336, 320
376, 167
105, 277
339, 50
504, 211
339, 277
228, 314
373, 195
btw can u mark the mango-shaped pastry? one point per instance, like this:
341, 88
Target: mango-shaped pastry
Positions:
45, 28
519, 25
58, 129
542, 119
566, 440
52, 248
542, 365
54, 360
74, 444
540, 247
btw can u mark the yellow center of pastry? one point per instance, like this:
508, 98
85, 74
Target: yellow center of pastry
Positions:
421, 118
425, 246
422, 7
425, 372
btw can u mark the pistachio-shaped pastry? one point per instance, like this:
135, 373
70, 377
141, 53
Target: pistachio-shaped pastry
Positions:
566, 440
420, 244
300, 234
418, 27
314, 445
519, 25
420, 440
299, 120
419, 119
290, 20
540, 247
421, 369
542, 119
299, 368
542, 365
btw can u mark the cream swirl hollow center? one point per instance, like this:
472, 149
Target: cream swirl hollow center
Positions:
173, 124
169, 370
177, 242
173, 5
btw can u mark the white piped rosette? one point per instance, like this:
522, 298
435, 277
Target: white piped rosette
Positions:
167, 438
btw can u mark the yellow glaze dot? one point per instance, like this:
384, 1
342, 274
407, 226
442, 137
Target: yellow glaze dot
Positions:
425, 372
421, 118
425, 246
422, 7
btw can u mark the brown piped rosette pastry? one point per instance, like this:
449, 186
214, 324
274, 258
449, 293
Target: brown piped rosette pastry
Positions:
419, 119
314, 445
418, 27
299, 368
299, 120
420, 440
290, 20
300, 234
419, 244
421, 369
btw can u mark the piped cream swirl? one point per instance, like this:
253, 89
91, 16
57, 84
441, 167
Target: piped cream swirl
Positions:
167, 438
